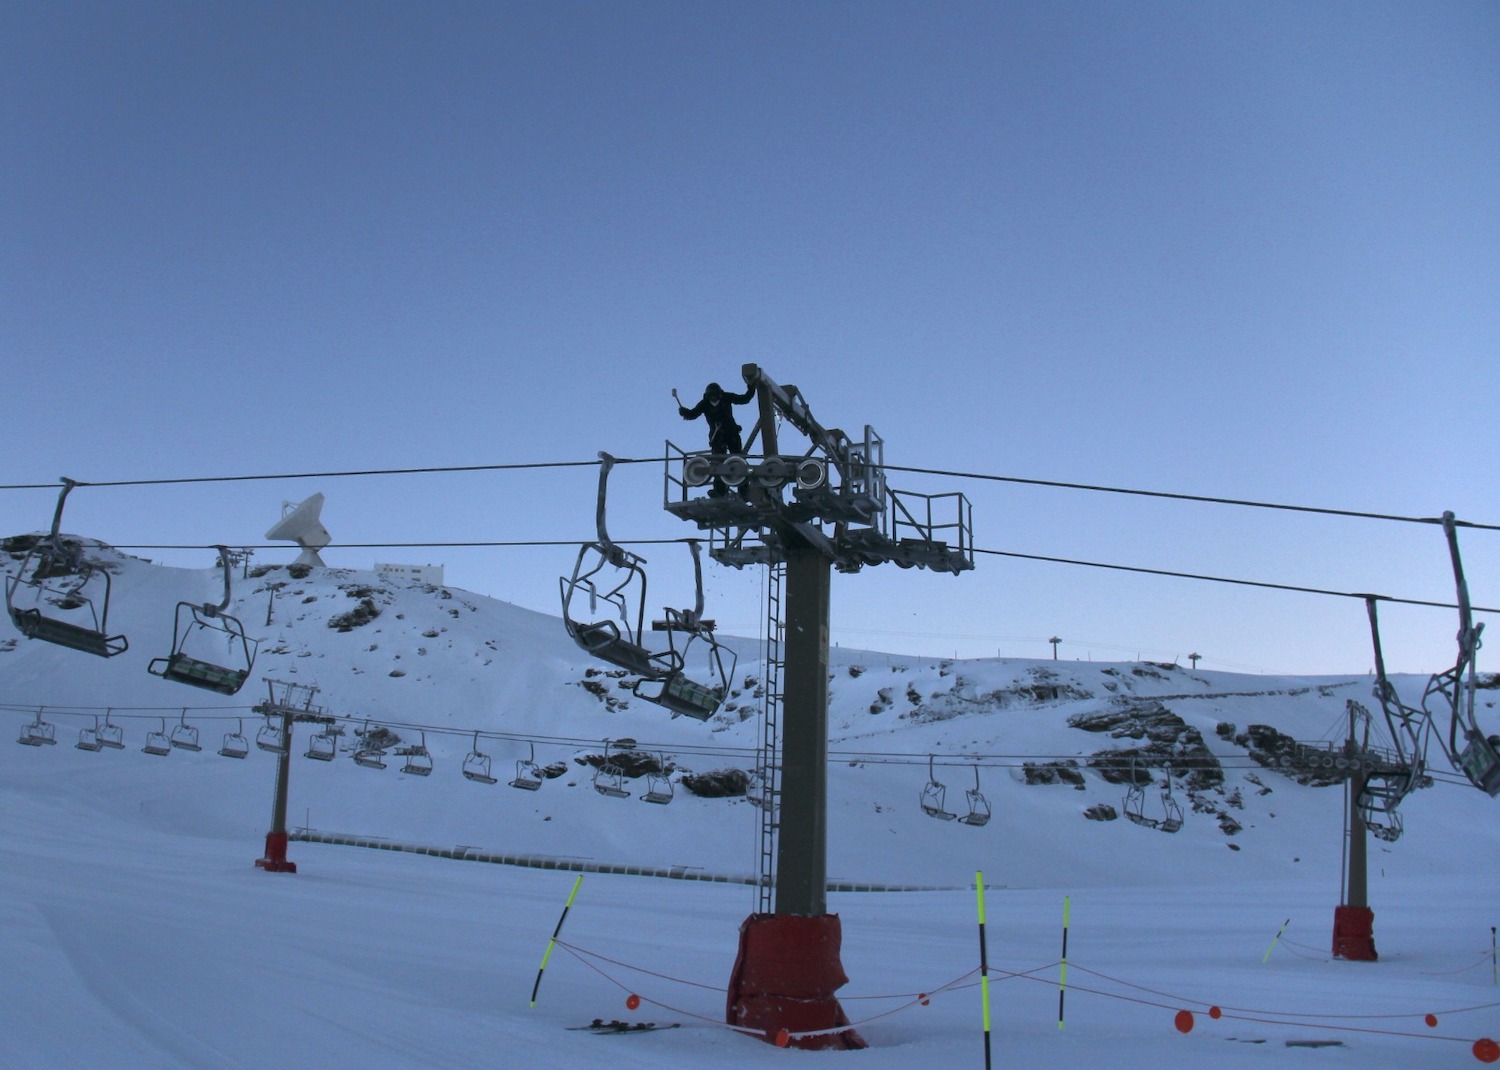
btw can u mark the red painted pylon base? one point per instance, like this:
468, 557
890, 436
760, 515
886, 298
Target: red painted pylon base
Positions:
784, 980
275, 860
1354, 934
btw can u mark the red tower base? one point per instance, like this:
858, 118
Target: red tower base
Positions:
1354, 934
275, 860
784, 980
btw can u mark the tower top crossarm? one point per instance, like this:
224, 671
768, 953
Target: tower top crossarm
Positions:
829, 493
786, 402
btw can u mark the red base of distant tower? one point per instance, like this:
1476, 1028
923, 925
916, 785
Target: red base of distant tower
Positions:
275, 860
1354, 934
784, 980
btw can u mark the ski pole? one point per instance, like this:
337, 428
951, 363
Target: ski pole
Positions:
1267, 956
553, 942
984, 968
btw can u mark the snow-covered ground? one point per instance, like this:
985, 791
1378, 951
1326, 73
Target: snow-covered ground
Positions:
139, 934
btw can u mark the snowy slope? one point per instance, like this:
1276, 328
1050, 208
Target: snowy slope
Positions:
149, 940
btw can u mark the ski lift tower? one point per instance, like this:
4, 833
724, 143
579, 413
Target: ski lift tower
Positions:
290, 703
803, 512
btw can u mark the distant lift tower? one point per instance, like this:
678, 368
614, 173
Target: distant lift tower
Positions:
803, 512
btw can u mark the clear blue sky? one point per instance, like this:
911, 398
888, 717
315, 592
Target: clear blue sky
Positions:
1238, 249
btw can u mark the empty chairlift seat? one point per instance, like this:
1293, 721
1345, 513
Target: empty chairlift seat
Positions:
476, 765
418, 759
88, 738
184, 736
158, 743
323, 746
38, 733
934, 797
235, 745
271, 737
528, 774
58, 596
209, 647
111, 735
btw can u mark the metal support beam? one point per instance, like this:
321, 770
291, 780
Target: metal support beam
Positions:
275, 859
1358, 894
802, 855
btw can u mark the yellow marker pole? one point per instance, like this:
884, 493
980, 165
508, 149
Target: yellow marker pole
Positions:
1267, 956
1062, 976
984, 968
552, 942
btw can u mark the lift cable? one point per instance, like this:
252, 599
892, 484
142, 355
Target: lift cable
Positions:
482, 543
896, 759
433, 470
949, 473
1202, 498
1229, 579
1265, 584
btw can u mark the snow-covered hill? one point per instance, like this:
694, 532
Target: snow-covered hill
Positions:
1050, 743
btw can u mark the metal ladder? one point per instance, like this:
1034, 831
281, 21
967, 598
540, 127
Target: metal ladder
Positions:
769, 752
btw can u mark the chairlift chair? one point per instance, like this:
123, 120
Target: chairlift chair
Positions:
609, 778
1386, 827
158, 743
528, 773
1472, 751
370, 758
1172, 811
609, 574
1377, 803
235, 744
658, 784
38, 733
271, 737
1134, 805
1384, 789
678, 692
27, 591
934, 796
368, 755
194, 631
88, 738
979, 807
476, 765
111, 736
184, 736
418, 760
757, 788
322, 746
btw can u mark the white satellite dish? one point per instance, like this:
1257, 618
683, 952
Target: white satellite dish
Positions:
300, 524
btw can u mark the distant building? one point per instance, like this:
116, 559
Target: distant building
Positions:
432, 574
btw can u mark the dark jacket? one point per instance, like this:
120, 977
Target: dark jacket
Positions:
719, 411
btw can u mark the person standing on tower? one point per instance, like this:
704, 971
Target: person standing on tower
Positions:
717, 408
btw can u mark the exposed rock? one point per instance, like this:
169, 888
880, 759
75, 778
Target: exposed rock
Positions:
630, 763
359, 616
717, 783
1277, 750
1061, 772
1170, 743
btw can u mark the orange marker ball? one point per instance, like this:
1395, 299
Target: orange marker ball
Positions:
632, 1001
1486, 1050
1184, 1021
